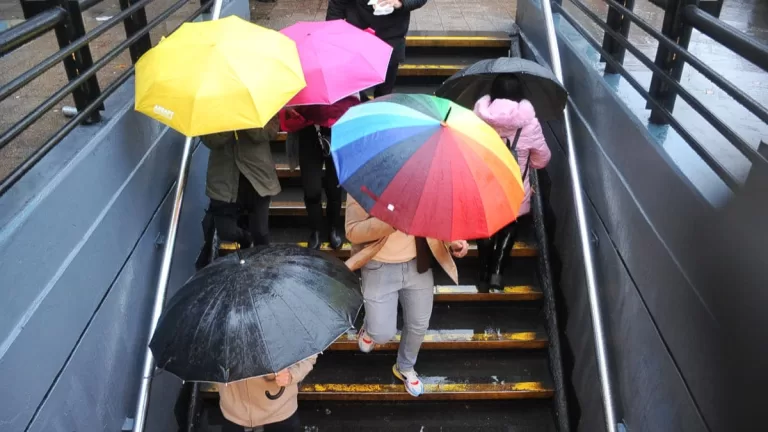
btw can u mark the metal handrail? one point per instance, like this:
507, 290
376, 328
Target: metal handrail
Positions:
694, 17
148, 368
696, 146
736, 93
727, 35
596, 312
30, 29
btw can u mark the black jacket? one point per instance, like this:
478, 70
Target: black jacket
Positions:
390, 28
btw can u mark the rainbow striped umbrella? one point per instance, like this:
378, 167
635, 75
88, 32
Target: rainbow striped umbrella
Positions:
427, 166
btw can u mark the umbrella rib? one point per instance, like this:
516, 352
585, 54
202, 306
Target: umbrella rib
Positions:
297, 317
320, 298
258, 319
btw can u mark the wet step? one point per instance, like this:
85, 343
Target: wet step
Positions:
441, 39
445, 416
525, 246
459, 327
447, 375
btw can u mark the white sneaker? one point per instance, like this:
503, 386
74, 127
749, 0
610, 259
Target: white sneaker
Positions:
364, 342
413, 384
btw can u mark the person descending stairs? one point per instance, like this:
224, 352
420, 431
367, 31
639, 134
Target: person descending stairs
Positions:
485, 360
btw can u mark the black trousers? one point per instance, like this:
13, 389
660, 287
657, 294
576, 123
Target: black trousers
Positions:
494, 252
398, 55
255, 211
291, 424
312, 158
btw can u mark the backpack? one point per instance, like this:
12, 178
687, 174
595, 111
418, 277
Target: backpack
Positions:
513, 149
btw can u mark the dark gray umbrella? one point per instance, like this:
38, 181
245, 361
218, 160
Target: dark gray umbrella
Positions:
542, 89
255, 313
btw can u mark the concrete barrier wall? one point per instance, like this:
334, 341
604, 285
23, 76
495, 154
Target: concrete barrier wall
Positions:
79, 263
661, 332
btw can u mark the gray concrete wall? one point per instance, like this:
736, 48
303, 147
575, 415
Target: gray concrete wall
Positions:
78, 269
663, 319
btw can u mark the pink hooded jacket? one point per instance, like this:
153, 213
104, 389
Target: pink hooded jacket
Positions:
507, 117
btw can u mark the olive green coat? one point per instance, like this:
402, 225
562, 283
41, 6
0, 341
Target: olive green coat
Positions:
245, 151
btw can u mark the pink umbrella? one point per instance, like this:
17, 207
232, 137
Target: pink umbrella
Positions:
338, 60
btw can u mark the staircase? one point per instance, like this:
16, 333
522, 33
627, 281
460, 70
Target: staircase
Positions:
484, 361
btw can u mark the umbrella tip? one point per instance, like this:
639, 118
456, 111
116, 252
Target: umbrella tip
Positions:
446, 116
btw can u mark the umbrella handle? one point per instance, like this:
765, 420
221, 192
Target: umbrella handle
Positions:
274, 397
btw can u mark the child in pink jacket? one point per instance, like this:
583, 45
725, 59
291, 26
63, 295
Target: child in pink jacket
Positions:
515, 120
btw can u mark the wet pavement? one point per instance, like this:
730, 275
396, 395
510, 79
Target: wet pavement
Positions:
750, 16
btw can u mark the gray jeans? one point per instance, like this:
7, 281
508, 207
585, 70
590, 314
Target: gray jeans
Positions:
383, 285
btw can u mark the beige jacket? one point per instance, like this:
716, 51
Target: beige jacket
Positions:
368, 235
245, 403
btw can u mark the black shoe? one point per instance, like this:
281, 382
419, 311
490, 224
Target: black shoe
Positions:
314, 240
335, 238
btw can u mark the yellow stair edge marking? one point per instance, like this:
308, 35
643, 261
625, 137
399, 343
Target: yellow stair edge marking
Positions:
526, 387
519, 249
472, 289
458, 41
454, 336
428, 388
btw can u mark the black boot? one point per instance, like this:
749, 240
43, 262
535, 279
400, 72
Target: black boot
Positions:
335, 238
484, 255
314, 240
503, 246
315, 219
335, 234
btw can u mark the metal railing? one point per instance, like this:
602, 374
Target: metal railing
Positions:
65, 19
680, 18
596, 311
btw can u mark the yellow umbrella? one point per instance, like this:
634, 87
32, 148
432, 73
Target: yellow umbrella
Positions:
217, 76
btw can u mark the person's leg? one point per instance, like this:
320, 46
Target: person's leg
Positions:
398, 55
291, 424
311, 166
380, 285
333, 208
484, 254
258, 220
504, 243
256, 208
416, 298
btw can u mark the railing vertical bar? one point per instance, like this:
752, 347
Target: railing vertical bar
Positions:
134, 23
619, 23
676, 29
598, 326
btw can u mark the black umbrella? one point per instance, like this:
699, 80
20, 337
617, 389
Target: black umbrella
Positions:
541, 88
254, 313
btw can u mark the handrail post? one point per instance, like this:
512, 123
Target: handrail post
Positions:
598, 327
148, 368
135, 22
619, 23
675, 28
70, 29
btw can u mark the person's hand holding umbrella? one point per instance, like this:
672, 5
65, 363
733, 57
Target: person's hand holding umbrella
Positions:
459, 248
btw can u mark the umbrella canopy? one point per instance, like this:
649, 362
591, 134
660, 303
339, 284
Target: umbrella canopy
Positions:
541, 88
427, 166
218, 76
338, 60
254, 313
